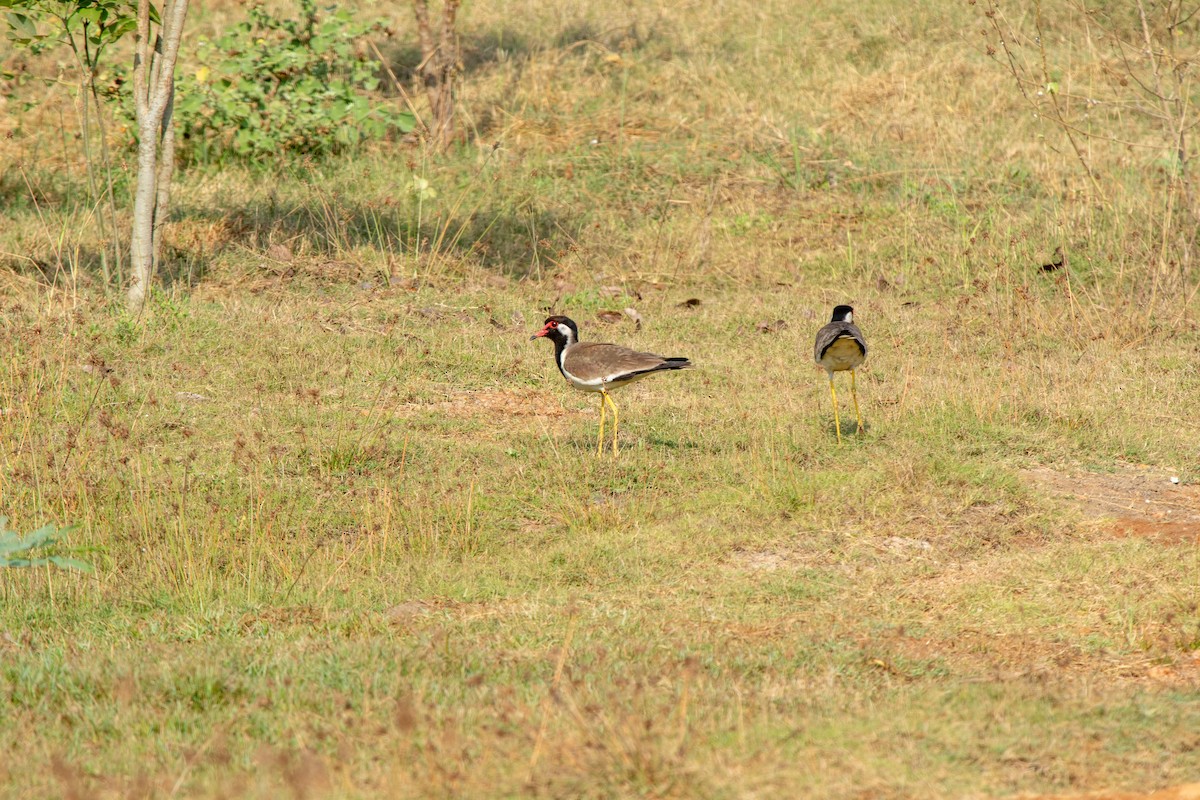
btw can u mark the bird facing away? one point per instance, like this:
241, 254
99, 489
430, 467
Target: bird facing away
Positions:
840, 347
594, 367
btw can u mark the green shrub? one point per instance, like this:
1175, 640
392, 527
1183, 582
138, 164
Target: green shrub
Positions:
272, 86
14, 548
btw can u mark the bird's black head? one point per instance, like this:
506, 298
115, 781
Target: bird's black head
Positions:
560, 330
842, 314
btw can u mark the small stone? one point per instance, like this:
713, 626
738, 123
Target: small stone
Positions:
403, 612
905, 543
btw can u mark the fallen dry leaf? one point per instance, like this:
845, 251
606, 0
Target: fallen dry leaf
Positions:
691, 302
633, 314
771, 327
614, 292
609, 317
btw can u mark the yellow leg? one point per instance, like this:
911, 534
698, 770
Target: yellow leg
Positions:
854, 394
600, 440
616, 421
837, 421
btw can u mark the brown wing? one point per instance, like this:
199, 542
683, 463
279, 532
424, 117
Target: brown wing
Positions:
592, 361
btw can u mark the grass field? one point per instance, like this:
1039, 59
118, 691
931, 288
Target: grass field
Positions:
350, 533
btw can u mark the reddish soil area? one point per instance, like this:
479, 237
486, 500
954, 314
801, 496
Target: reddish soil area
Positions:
1131, 500
1187, 791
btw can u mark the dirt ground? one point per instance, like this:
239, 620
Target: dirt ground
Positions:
1131, 500
1187, 791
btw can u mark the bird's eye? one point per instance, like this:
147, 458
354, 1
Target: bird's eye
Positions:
553, 325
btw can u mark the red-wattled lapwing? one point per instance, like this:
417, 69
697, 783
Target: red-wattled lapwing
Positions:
594, 367
840, 347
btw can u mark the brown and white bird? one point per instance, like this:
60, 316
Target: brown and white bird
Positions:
595, 367
840, 347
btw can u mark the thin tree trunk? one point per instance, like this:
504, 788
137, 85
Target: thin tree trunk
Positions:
439, 68
87, 81
141, 238
166, 169
88, 65
106, 159
153, 92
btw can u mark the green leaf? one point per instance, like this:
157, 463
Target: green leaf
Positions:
71, 563
122, 27
22, 24
89, 15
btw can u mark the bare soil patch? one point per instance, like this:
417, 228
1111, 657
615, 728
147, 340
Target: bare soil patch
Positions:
1130, 501
1187, 791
